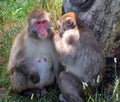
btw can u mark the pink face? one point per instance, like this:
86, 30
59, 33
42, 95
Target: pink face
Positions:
41, 26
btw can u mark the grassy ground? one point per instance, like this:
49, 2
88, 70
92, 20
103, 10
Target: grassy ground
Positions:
12, 20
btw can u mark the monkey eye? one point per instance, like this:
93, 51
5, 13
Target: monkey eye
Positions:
44, 21
41, 21
37, 22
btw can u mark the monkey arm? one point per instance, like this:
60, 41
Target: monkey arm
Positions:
26, 66
56, 36
55, 64
51, 33
17, 53
55, 61
19, 62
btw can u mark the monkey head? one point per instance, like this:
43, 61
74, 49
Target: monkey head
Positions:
69, 28
68, 36
67, 22
38, 23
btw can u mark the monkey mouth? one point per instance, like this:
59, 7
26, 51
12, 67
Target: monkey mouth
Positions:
42, 32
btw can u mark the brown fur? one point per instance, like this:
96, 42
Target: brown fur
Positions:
24, 69
80, 53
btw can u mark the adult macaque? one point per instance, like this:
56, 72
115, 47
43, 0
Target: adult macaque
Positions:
83, 58
33, 62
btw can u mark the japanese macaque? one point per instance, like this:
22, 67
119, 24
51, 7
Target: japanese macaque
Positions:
82, 57
33, 62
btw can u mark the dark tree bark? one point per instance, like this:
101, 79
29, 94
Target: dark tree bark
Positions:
102, 16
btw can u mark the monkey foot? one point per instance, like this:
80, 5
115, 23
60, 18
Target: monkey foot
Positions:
30, 92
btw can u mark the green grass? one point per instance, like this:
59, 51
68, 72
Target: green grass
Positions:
12, 20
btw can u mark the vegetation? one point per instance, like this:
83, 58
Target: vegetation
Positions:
12, 20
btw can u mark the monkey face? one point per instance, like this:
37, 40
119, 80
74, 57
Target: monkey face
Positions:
39, 24
41, 27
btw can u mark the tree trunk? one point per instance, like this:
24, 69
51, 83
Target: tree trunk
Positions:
102, 16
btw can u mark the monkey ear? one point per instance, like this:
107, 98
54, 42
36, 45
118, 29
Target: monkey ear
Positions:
69, 20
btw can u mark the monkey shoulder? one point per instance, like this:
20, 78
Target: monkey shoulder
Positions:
17, 51
19, 40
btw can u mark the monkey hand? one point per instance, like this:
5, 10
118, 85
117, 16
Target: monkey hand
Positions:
34, 76
51, 33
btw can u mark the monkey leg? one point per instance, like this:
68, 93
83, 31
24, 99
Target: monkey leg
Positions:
24, 86
19, 82
71, 87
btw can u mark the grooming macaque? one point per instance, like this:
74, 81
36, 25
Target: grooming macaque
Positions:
82, 57
33, 62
